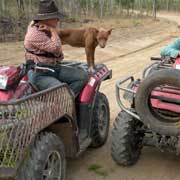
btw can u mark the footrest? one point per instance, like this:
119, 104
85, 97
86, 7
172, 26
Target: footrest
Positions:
84, 145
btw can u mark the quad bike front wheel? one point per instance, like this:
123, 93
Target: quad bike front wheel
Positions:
126, 140
45, 161
100, 121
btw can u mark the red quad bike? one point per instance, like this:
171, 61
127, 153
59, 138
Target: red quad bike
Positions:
162, 63
152, 115
39, 129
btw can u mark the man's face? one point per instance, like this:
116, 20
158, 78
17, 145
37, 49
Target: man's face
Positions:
53, 23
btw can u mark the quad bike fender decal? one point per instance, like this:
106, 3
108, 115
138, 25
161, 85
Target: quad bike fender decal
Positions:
95, 80
156, 103
165, 106
92, 81
168, 95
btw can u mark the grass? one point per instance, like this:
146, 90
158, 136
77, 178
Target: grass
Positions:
7, 159
98, 170
136, 22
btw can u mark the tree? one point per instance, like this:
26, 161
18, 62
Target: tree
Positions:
154, 8
168, 5
101, 5
3, 7
20, 4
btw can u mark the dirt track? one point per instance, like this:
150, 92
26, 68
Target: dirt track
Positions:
153, 165
124, 55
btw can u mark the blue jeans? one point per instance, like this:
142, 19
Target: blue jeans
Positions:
76, 78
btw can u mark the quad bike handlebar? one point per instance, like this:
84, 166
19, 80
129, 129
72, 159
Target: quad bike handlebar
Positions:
156, 58
164, 62
164, 59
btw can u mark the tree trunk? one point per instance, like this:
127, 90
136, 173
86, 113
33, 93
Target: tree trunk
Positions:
101, 4
120, 7
111, 6
87, 8
154, 8
3, 6
20, 4
168, 5
29, 9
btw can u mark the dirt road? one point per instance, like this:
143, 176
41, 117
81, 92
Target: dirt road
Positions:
153, 165
170, 16
127, 53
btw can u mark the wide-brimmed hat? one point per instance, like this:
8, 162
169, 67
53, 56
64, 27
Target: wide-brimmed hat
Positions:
48, 10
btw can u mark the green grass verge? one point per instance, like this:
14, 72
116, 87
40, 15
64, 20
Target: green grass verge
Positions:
98, 170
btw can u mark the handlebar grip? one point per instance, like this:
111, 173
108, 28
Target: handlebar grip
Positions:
156, 58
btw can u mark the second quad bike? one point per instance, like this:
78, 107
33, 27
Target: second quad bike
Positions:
152, 117
38, 130
165, 62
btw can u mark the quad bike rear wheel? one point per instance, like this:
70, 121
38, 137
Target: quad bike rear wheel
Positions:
152, 117
126, 140
100, 121
45, 161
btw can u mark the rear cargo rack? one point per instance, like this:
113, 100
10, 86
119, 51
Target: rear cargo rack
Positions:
21, 120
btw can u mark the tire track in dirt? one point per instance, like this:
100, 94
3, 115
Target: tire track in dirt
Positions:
138, 50
124, 57
151, 160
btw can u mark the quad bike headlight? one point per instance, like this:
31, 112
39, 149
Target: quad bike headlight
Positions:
178, 66
3, 81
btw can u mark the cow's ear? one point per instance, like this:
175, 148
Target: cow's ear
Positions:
110, 30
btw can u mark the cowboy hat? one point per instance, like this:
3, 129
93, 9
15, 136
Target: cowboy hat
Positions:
48, 10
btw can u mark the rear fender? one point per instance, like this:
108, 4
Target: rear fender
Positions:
66, 128
94, 83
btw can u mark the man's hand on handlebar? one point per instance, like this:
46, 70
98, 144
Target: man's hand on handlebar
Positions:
164, 59
168, 59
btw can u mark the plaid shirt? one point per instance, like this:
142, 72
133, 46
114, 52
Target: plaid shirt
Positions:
39, 42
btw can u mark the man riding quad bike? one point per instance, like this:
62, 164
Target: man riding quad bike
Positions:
49, 110
164, 62
170, 58
153, 117
39, 129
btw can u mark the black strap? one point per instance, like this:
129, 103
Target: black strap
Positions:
45, 54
